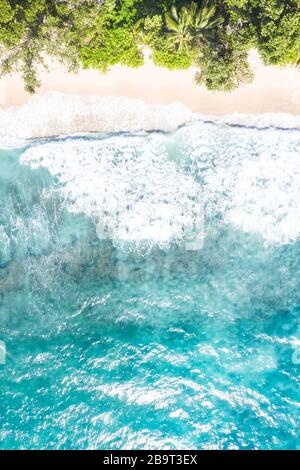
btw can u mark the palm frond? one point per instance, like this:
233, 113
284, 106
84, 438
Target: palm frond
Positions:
191, 22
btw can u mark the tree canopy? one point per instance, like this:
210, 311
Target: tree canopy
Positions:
213, 36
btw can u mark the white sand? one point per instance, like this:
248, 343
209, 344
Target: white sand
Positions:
274, 90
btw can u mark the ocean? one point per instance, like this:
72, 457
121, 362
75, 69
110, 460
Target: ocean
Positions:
150, 289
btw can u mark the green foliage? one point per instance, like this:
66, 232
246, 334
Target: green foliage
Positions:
223, 71
6, 11
237, 3
42, 28
279, 33
166, 56
212, 35
117, 46
114, 40
185, 29
148, 30
274, 27
177, 35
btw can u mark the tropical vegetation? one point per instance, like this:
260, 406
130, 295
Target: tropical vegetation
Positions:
213, 36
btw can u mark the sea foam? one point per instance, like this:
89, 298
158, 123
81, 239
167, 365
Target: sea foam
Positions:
249, 177
56, 114
155, 187
127, 185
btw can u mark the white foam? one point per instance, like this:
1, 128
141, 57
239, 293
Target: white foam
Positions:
134, 192
55, 114
261, 197
266, 198
260, 121
251, 177
5, 247
127, 185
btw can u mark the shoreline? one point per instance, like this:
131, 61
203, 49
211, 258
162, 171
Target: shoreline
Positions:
273, 90
56, 114
144, 99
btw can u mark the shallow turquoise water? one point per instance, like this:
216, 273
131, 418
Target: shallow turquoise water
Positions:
152, 345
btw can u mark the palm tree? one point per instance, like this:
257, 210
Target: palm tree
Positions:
191, 23
178, 24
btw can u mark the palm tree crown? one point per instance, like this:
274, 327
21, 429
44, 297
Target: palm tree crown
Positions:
191, 22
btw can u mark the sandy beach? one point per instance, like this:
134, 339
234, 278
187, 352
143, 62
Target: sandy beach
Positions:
274, 90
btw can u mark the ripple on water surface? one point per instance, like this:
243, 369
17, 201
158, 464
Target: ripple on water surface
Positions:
119, 332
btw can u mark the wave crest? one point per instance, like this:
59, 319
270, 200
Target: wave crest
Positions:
248, 176
153, 187
56, 114
128, 186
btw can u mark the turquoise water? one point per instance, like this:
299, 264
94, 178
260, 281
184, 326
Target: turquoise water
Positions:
151, 343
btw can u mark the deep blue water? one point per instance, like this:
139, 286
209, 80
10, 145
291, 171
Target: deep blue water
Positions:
150, 344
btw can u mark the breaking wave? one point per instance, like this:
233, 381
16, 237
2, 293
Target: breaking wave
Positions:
146, 189
145, 271
156, 187
56, 114
127, 184
249, 176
